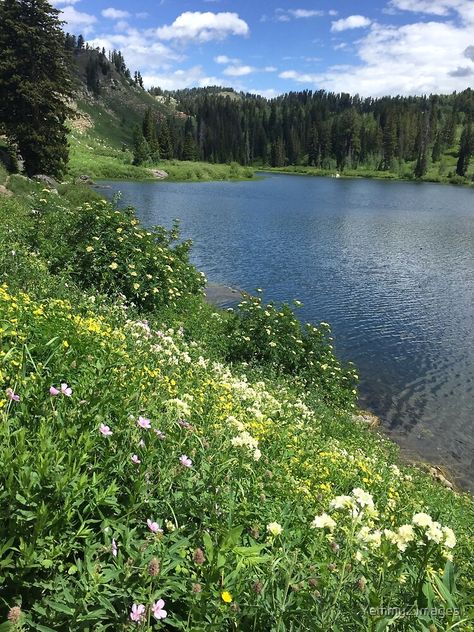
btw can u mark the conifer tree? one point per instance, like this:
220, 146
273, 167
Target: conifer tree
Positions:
466, 148
34, 84
164, 140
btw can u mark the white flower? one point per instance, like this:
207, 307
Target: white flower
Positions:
257, 455
341, 502
434, 532
450, 538
274, 529
422, 520
372, 539
363, 498
395, 470
323, 522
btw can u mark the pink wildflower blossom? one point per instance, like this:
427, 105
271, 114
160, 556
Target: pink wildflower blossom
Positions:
185, 461
135, 459
66, 390
138, 612
54, 391
12, 396
105, 430
157, 609
144, 423
114, 548
141, 443
159, 433
154, 526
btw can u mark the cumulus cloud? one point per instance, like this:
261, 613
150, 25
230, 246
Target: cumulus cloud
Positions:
300, 77
63, 3
469, 53
77, 21
203, 27
179, 79
115, 14
465, 8
352, 22
238, 71
305, 13
462, 72
223, 59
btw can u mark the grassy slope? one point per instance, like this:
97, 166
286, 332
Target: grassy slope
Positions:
82, 492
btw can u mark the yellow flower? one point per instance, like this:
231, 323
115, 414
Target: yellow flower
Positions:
90, 248
226, 596
136, 286
113, 265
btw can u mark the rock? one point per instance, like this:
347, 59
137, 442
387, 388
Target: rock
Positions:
47, 180
367, 418
84, 180
4, 191
439, 475
159, 174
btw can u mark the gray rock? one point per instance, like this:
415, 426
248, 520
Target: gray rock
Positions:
84, 179
47, 180
4, 191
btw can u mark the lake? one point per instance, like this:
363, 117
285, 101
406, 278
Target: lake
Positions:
389, 264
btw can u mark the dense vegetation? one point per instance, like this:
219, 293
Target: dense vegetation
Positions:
164, 465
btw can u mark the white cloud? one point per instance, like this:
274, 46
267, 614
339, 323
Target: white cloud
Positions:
305, 13
140, 49
270, 69
77, 21
269, 93
239, 71
441, 8
469, 53
115, 14
352, 22
203, 27
300, 77
223, 59
340, 46
59, 3
333, 13
180, 79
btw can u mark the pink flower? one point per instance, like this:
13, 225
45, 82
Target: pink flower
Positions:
135, 459
144, 423
154, 526
12, 396
66, 390
141, 443
138, 612
105, 430
159, 434
114, 548
157, 609
185, 461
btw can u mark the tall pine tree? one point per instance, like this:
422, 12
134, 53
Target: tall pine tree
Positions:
34, 84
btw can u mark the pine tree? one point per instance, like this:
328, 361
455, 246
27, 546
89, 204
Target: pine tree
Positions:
141, 149
34, 84
164, 141
466, 148
149, 129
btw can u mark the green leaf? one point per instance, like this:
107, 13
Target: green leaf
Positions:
60, 607
444, 592
448, 577
208, 546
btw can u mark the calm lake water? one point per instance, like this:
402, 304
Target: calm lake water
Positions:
389, 264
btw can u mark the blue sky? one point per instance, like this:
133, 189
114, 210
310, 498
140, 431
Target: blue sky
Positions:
370, 47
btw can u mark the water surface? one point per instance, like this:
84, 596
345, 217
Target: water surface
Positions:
389, 264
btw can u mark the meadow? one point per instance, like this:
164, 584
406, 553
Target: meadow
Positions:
166, 465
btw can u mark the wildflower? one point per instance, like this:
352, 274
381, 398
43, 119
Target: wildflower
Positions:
363, 498
135, 459
170, 526
197, 588
114, 548
144, 423
341, 502
226, 597
54, 391
138, 612
434, 532
14, 615
450, 538
105, 430
422, 520
66, 390
89, 248
185, 461
274, 529
154, 567
154, 526
199, 557
159, 434
12, 396
323, 522
141, 443
113, 265
257, 587
157, 609
257, 455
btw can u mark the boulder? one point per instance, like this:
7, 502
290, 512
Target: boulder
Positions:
84, 179
159, 174
46, 180
4, 191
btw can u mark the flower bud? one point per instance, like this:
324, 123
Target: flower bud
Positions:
154, 567
198, 557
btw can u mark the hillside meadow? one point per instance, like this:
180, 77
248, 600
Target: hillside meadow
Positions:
165, 465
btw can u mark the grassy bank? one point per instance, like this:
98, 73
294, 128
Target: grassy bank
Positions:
433, 174
166, 465
99, 160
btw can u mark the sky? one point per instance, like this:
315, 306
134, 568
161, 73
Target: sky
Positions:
370, 47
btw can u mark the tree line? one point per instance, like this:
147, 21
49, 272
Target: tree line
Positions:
324, 129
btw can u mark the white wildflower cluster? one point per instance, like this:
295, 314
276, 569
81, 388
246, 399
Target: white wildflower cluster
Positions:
180, 406
422, 525
245, 440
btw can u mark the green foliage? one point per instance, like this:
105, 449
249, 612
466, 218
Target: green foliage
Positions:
273, 336
246, 495
35, 84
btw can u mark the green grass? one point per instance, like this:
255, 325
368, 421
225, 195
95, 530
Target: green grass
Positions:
258, 404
